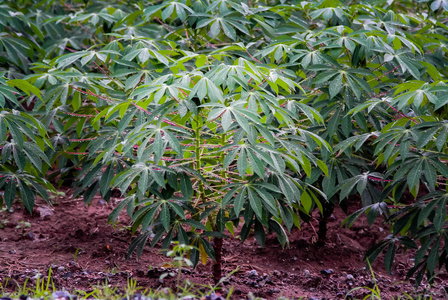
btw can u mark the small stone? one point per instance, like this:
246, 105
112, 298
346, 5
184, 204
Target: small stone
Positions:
294, 258
314, 298
273, 291
253, 273
350, 277
312, 289
12, 252
307, 273
253, 284
381, 229
45, 212
61, 295
370, 284
327, 272
212, 296
61, 268
67, 275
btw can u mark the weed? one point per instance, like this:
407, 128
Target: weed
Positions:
75, 256
23, 226
42, 286
178, 254
375, 291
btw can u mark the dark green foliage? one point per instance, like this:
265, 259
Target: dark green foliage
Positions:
208, 114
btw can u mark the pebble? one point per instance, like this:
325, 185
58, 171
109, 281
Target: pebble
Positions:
253, 273
350, 277
61, 295
307, 273
273, 291
327, 272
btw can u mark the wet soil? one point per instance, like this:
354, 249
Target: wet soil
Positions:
83, 250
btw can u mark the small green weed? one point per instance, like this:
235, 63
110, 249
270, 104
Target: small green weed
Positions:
23, 226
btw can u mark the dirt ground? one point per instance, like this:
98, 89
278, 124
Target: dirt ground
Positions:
83, 250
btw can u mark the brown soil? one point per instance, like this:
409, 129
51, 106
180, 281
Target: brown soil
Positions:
83, 251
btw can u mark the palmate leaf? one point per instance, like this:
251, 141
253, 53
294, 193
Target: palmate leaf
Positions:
25, 186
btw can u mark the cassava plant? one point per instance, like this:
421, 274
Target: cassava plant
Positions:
209, 114
197, 138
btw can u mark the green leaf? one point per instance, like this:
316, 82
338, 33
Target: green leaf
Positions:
242, 163
239, 201
10, 192
165, 216
177, 209
186, 186
256, 163
433, 256
389, 258
25, 87
306, 201
336, 85
27, 196
440, 216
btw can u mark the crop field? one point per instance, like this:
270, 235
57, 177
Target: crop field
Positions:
223, 149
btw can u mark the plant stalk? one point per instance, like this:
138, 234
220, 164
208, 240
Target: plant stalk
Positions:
217, 265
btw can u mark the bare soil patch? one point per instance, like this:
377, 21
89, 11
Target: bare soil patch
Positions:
82, 250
